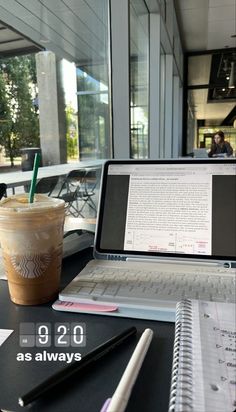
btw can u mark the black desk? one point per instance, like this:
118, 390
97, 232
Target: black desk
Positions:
87, 394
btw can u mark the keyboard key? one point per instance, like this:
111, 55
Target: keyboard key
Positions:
86, 284
111, 290
85, 291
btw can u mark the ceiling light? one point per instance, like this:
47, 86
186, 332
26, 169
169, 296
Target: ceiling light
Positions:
44, 40
232, 77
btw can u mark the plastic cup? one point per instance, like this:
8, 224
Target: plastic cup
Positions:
31, 237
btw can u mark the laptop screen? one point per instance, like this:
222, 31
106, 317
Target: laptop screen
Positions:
168, 208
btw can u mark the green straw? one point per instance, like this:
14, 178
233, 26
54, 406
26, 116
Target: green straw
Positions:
34, 177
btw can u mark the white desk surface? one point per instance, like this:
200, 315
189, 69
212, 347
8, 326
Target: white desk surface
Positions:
20, 178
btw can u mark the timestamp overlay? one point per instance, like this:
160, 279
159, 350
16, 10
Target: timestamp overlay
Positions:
45, 335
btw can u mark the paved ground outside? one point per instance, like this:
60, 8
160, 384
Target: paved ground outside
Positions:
8, 169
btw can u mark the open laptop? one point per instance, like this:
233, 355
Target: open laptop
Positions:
201, 153
165, 231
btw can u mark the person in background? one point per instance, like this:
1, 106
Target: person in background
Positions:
220, 147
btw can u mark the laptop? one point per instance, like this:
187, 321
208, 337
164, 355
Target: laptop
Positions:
165, 231
201, 153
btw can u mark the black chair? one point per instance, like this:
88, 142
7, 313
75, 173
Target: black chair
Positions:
46, 185
3, 190
88, 189
71, 193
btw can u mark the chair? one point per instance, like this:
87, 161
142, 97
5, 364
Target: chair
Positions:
46, 185
90, 183
78, 190
3, 190
70, 192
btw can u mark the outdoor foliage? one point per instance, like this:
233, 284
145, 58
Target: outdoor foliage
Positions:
19, 125
93, 118
71, 133
5, 114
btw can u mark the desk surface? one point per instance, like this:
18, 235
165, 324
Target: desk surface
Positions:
87, 394
20, 178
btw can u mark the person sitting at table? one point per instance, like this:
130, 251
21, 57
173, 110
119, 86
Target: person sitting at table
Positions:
220, 146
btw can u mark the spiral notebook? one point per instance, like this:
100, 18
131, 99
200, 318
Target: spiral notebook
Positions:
204, 361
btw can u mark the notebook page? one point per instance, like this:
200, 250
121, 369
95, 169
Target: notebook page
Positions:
204, 358
214, 356
198, 387
4, 334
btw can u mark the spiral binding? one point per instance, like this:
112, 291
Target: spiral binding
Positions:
181, 395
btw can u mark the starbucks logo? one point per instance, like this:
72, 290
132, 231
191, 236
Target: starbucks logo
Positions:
31, 266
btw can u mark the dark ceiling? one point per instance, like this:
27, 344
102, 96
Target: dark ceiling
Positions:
211, 71
13, 43
223, 65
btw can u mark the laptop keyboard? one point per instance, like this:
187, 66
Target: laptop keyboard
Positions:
118, 284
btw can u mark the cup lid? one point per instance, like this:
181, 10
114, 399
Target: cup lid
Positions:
19, 204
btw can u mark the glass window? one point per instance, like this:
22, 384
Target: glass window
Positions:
162, 102
211, 98
139, 79
93, 92
163, 9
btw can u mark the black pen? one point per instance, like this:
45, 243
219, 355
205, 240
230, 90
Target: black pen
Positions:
76, 367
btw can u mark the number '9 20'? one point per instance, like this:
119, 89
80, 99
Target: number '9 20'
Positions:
44, 335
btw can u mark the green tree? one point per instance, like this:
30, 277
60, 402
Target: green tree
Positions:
71, 133
93, 118
19, 75
5, 114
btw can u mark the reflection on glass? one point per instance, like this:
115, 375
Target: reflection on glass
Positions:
93, 98
211, 100
162, 102
163, 9
139, 99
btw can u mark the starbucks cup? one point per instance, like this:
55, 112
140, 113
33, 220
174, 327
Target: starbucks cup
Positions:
31, 237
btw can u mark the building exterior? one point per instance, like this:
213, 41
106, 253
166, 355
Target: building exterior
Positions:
130, 73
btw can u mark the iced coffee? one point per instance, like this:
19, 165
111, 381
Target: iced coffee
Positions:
31, 236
